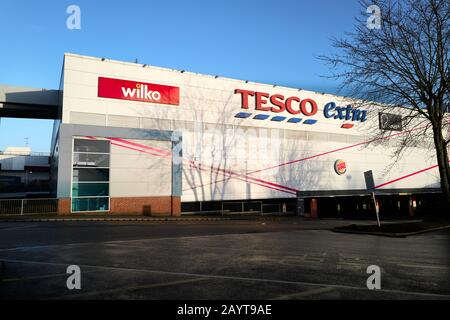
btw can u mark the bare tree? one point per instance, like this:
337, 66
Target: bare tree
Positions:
402, 62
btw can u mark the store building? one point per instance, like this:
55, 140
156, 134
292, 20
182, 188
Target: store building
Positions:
24, 173
135, 138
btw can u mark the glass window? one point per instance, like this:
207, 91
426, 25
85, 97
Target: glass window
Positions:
90, 204
83, 145
90, 189
88, 174
90, 160
90, 186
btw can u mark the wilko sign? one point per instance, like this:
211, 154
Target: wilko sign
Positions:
340, 166
138, 91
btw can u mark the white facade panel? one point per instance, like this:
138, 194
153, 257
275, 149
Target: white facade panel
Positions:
123, 121
138, 170
93, 119
226, 157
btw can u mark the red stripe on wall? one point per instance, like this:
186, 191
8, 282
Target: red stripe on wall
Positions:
209, 167
259, 180
164, 154
406, 176
322, 154
259, 184
267, 184
335, 150
147, 152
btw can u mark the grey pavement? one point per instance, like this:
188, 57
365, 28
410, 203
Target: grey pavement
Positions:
292, 259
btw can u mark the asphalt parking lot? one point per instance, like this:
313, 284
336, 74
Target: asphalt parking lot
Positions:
292, 259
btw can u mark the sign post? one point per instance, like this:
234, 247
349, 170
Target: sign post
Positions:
370, 184
376, 209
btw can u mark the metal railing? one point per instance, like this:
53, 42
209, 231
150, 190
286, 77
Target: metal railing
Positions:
28, 206
275, 208
241, 207
255, 207
25, 154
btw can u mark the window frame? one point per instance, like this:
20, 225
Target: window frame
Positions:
72, 198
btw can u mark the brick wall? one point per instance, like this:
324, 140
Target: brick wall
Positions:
142, 205
64, 206
176, 206
151, 206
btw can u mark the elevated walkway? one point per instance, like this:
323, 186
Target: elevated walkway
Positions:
31, 103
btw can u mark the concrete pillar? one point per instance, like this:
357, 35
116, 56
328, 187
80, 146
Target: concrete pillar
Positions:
301, 207
411, 206
314, 208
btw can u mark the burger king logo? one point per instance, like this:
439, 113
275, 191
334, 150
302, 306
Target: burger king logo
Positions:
340, 166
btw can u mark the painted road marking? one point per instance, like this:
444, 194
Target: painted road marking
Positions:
118, 241
236, 278
347, 262
304, 294
47, 276
137, 240
133, 288
349, 266
423, 266
288, 257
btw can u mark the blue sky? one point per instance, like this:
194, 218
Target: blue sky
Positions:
264, 41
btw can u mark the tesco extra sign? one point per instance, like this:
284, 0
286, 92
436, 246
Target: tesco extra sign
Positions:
278, 103
138, 91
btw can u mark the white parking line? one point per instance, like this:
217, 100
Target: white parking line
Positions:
304, 294
224, 277
133, 288
132, 240
46, 276
423, 266
106, 242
